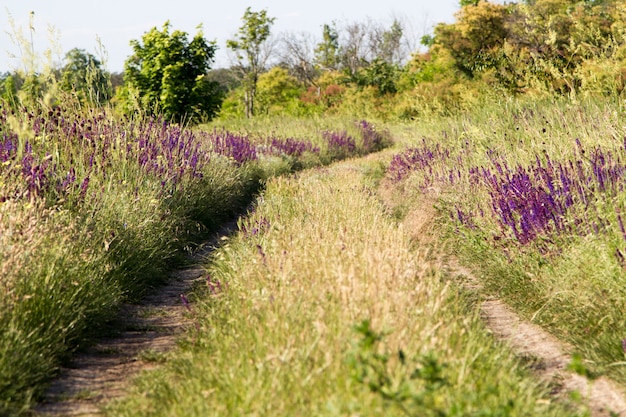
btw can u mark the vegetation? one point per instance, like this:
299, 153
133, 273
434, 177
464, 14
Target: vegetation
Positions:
167, 75
251, 55
84, 76
535, 203
509, 134
365, 326
96, 209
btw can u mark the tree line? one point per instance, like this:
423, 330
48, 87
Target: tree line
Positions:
535, 48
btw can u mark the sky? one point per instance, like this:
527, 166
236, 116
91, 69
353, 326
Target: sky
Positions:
113, 24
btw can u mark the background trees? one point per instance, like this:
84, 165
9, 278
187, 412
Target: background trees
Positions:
84, 75
167, 74
251, 51
367, 68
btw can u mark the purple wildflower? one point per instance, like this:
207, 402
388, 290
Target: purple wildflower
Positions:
185, 302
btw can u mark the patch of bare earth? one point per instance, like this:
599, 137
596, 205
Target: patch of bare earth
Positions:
149, 329
550, 357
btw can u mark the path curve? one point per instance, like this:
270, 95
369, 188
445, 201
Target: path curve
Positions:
151, 328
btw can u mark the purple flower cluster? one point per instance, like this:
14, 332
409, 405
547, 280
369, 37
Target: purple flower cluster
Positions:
292, 147
423, 159
8, 147
234, 146
36, 172
340, 144
168, 151
537, 200
527, 201
372, 139
93, 146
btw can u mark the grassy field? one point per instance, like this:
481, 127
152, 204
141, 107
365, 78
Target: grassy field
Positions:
532, 197
330, 299
322, 304
95, 210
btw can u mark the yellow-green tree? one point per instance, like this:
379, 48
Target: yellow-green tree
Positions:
478, 32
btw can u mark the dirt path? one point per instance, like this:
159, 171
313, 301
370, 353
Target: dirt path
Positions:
602, 395
550, 355
150, 329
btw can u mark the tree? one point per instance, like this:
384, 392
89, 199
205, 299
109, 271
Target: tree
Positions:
9, 88
277, 91
479, 32
354, 49
250, 52
380, 74
297, 54
327, 51
167, 73
386, 44
83, 74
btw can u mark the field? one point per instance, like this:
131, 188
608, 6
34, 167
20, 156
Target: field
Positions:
356, 279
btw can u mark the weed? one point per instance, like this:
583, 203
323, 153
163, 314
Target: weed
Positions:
397, 386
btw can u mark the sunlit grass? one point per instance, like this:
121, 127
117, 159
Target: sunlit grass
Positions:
535, 204
113, 205
278, 315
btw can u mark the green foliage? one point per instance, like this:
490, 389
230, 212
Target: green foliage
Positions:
83, 75
380, 74
542, 47
327, 51
167, 75
477, 32
278, 92
248, 47
387, 44
8, 89
413, 390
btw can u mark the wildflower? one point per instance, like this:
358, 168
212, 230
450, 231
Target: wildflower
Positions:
185, 302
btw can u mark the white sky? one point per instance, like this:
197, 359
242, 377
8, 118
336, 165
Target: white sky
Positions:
79, 23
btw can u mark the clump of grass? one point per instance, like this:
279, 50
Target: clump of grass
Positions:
315, 259
55, 285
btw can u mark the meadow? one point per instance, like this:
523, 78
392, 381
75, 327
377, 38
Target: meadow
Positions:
532, 198
333, 296
383, 195
321, 305
96, 209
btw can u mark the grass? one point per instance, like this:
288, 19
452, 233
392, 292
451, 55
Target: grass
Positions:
94, 211
323, 305
326, 301
530, 195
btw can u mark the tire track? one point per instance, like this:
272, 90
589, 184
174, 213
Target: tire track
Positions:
149, 330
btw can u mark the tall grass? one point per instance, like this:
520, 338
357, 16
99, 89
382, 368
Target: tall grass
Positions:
55, 283
94, 210
533, 195
320, 305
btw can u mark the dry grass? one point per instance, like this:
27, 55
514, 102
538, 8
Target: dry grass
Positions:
317, 257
